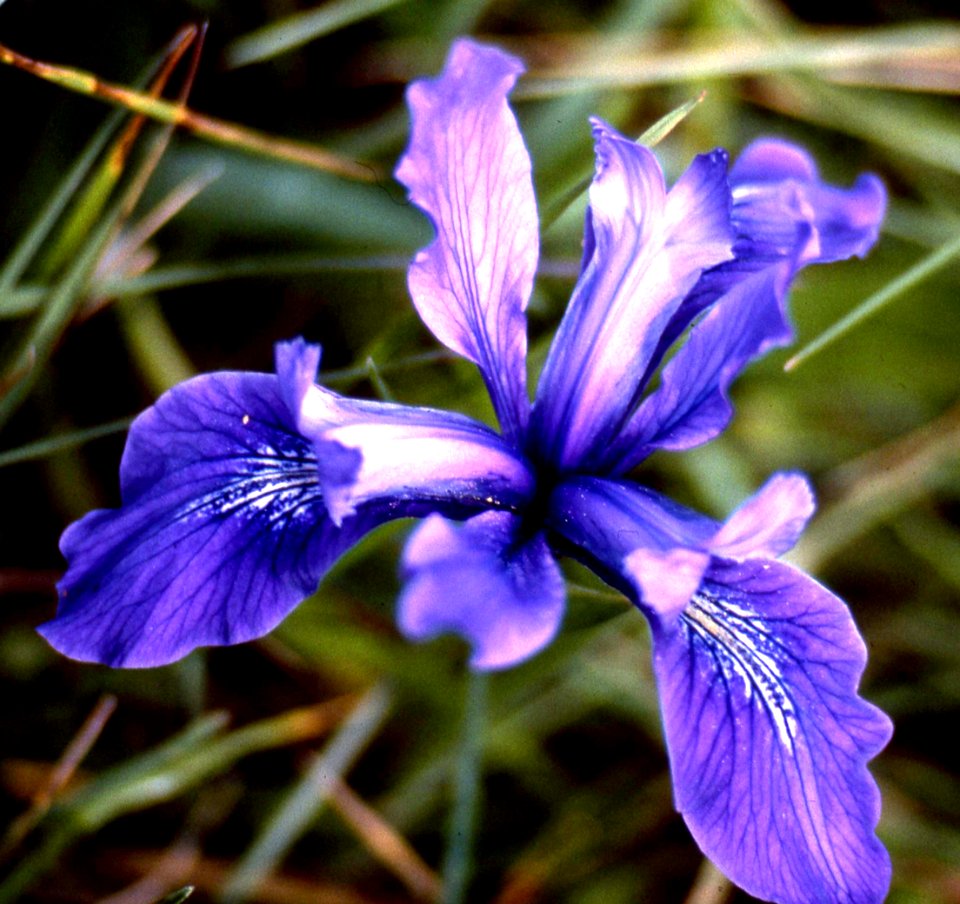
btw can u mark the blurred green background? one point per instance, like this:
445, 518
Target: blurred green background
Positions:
212, 771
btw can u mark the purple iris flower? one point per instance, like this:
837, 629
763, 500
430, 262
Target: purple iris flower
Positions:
240, 489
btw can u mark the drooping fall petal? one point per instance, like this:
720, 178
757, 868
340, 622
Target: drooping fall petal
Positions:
768, 739
222, 530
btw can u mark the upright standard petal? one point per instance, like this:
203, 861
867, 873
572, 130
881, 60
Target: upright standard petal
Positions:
768, 739
647, 249
222, 531
785, 218
397, 454
691, 404
469, 171
501, 592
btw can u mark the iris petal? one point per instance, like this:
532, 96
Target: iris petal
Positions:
415, 454
656, 550
223, 530
691, 405
502, 593
468, 169
768, 738
648, 249
770, 522
785, 218
780, 198
646, 545
384, 452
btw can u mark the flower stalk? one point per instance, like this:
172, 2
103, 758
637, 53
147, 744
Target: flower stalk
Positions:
464, 816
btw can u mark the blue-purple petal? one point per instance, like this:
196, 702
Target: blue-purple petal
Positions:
642, 543
768, 738
784, 207
785, 218
770, 522
468, 169
657, 551
408, 454
648, 248
691, 405
222, 531
373, 452
502, 593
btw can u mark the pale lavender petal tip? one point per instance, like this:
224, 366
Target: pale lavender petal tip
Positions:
768, 738
666, 580
297, 363
770, 522
773, 160
505, 598
646, 545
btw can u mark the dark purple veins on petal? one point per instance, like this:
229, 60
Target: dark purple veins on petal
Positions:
648, 246
223, 530
768, 739
467, 168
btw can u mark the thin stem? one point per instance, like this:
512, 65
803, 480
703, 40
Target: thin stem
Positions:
458, 863
906, 281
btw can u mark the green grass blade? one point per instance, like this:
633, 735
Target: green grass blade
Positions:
61, 306
666, 124
934, 540
309, 795
890, 292
882, 484
52, 445
34, 238
300, 28
159, 356
905, 127
178, 896
28, 298
818, 54
137, 783
557, 131
27, 248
